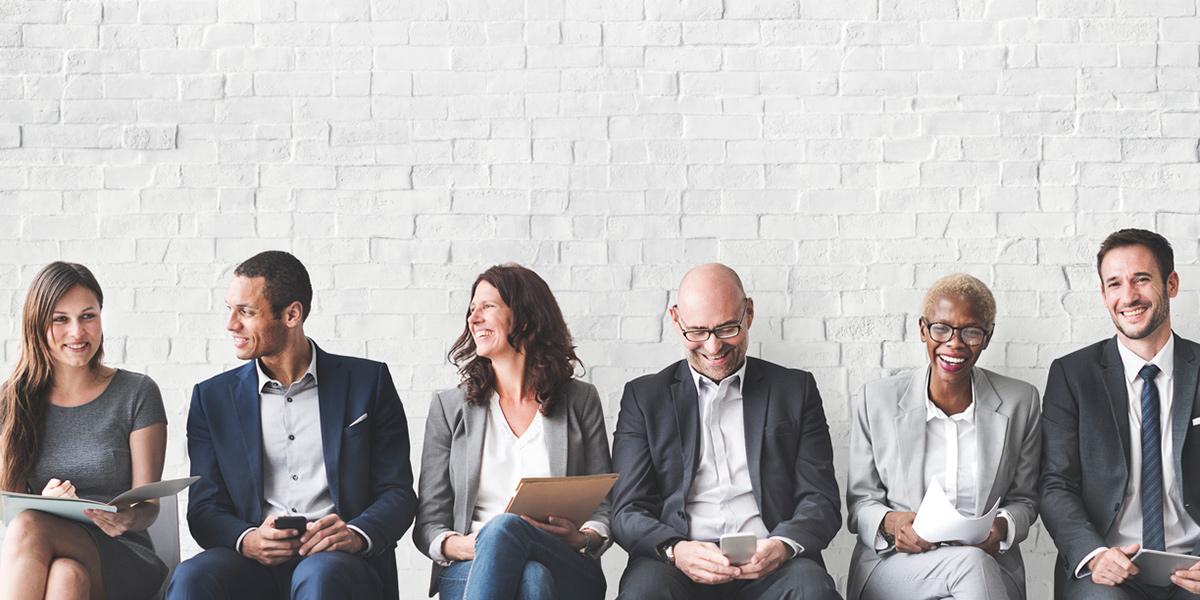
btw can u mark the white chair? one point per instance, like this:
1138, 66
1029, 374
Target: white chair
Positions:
165, 535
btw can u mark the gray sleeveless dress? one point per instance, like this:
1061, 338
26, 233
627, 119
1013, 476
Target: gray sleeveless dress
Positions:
89, 444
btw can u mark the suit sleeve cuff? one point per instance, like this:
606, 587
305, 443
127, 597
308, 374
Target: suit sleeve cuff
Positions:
364, 535
1008, 540
238, 545
435, 549
600, 545
1082, 571
881, 542
790, 543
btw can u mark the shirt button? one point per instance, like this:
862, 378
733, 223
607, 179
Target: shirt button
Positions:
291, 437
294, 478
294, 510
289, 399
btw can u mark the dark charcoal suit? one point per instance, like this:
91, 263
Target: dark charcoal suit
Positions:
656, 449
1086, 447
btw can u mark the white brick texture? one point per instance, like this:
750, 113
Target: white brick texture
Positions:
840, 155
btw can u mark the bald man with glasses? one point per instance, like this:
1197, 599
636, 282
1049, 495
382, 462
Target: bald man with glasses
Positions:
723, 444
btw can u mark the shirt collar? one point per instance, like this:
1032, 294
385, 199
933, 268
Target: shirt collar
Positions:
933, 412
734, 379
264, 379
1164, 360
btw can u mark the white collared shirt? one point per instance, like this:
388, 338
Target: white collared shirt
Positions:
951, 454
294, 480
721, 498
1180, 531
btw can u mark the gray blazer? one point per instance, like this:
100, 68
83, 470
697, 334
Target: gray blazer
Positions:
453, 452
887, 460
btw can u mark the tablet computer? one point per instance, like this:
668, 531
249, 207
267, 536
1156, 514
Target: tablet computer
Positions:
1155, 567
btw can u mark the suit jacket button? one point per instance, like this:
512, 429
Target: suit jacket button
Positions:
682, 515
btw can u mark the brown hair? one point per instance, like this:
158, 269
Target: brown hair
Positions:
22, 399
1155, 243
538, 331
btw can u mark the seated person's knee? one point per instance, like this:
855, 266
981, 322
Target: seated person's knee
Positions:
28, 528
68, 575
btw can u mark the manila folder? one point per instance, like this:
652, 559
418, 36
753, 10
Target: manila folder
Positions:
574, 498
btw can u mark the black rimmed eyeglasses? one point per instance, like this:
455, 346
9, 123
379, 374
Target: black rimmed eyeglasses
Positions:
971, 336
723, 332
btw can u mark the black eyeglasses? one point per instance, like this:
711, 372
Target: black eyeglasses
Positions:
941, 333
723, 332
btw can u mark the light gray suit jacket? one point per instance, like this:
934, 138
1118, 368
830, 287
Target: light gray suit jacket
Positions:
453, 451
887, 460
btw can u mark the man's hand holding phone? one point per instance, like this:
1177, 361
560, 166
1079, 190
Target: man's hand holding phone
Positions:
272, 543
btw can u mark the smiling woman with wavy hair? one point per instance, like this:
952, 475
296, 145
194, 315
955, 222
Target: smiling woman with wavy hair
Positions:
518, 412
537, 330
72, 427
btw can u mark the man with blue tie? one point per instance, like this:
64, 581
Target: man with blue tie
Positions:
295, 432
1120, 459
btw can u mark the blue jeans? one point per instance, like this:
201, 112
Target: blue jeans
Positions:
517, 561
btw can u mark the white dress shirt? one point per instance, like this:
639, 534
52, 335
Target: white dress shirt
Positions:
294, 479
1180, 531
721, 498
507, 458
951, 449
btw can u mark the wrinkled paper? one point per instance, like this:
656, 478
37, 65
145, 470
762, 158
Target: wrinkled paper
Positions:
938, 521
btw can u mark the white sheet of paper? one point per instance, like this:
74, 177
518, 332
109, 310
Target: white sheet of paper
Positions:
937, 521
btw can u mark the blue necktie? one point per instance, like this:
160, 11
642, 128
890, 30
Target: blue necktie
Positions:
1152, 484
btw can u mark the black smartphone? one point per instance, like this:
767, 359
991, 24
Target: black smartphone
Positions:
297, 523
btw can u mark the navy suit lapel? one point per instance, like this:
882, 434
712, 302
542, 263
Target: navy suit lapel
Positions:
1112, 373
243, 394
687, 420
333, 388
755, 400
1187, 372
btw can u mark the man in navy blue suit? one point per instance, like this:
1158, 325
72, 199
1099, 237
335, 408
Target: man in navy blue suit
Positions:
295, 432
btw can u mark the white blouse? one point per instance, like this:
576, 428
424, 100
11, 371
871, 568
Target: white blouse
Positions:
506, 459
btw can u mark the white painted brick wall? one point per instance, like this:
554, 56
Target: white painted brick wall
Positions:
840, 155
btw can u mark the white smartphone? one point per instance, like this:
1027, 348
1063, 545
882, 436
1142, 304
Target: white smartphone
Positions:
739, 547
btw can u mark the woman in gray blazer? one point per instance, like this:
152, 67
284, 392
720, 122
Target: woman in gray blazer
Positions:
972, 432
518, 412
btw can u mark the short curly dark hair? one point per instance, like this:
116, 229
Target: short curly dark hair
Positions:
286, 280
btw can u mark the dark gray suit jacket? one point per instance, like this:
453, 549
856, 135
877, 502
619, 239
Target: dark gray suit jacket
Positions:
1085, 445
656, 450
453, 451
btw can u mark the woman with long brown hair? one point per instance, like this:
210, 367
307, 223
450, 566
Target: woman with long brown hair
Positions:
71, 426
519, 412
